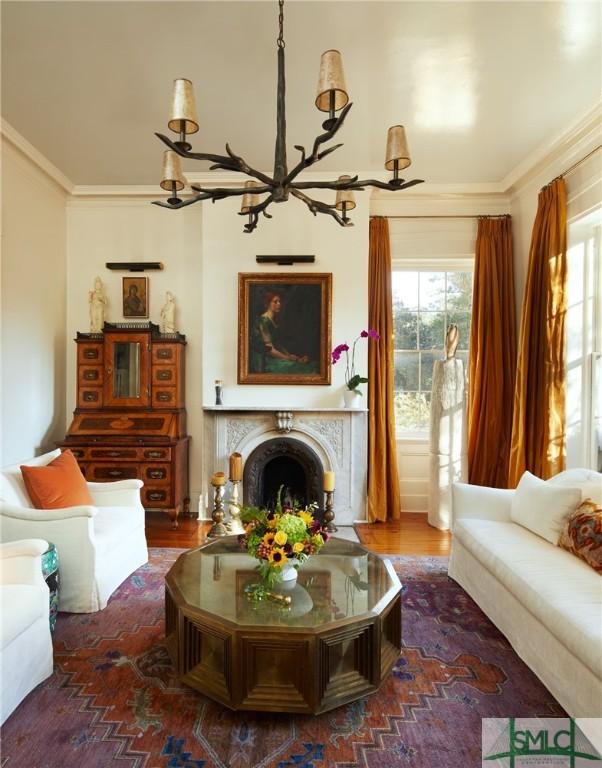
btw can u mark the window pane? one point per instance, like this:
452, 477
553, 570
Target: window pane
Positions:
432, 290
431, 330
425, 410
462, 320
409, 410
406, 371
427, 360
405, 289
459, 290
406, 329
574, 333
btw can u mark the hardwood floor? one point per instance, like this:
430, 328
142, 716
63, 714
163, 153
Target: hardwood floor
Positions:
411, 535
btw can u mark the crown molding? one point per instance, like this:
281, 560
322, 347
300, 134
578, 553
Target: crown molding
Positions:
565, 148
37, 158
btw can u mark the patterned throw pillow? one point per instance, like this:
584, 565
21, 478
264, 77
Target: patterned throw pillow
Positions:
582, 534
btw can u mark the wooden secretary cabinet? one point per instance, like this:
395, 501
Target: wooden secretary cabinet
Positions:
130, 419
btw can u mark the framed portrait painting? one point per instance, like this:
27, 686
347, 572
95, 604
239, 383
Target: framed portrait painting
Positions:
284, 328
135, 296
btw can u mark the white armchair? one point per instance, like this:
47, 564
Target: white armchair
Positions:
25, 641
98, 546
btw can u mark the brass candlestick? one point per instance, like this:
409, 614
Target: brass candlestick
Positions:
329, 513
218, 528
234, 524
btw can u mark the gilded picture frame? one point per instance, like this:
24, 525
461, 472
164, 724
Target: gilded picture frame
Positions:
134, 296
284, 328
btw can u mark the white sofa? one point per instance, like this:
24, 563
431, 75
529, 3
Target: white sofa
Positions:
545, 600
98, 546
25, 641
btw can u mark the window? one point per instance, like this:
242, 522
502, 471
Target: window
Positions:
584, 344
424, 304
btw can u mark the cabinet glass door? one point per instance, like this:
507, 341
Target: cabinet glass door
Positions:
126, 364
127, 379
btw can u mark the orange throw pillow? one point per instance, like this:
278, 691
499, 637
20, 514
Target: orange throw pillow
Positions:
57, 485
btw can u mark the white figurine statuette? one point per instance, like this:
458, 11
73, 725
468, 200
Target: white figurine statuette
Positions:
168, 314
98, 302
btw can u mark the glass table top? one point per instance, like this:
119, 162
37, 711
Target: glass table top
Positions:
342, 581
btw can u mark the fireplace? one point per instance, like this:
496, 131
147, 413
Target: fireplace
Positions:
292, 448
287, 463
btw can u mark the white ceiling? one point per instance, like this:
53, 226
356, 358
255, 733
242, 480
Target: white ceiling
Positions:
479, 85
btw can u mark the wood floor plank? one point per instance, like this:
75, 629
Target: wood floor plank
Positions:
411, 535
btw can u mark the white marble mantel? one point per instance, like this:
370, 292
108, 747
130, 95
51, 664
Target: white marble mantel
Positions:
339, 437
266, 409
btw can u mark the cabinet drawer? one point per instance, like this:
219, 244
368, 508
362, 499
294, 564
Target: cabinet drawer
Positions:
164, 376
90, 397
124, 453
152, 454
89, 375
163, 354
164, 397
89, 353
156, 496
156, 473
104, 472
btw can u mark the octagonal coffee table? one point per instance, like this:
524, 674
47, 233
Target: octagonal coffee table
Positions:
336, 642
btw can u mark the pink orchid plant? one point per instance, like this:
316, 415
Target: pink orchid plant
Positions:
353, 379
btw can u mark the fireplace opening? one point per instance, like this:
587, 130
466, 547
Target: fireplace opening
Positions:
282, 462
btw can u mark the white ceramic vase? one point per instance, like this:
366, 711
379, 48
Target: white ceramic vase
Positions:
352, 398
289, 573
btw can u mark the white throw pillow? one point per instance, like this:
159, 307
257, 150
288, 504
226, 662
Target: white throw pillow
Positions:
542, 507
587, 480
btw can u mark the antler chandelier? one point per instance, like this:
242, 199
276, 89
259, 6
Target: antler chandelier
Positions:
332, 97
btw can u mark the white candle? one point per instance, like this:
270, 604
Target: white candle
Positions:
329, 481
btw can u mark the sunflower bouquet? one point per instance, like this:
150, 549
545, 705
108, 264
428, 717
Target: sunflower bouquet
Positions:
285, 536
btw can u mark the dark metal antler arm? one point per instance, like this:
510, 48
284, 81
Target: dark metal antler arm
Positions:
254, 211
307, 161
391, 186
219, 193
316, 206
350, 184
231, 162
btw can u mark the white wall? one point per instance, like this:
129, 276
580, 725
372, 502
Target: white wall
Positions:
129, 229
32, 308
227, 250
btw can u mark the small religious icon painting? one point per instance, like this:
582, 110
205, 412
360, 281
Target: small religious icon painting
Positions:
284, 328
135, 296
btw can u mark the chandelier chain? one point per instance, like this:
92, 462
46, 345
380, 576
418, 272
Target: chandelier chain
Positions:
281, 42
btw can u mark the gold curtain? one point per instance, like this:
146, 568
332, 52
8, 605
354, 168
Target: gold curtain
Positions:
384, 502
538, 437
492, 355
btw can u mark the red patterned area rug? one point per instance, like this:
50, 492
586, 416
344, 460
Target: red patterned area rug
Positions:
113, 700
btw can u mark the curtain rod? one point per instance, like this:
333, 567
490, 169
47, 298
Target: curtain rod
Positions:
448, 216
583, 159
573, 166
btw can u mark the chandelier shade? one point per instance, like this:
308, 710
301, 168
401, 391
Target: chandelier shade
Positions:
172, 178
331, 82
283, 183
250, 199
345, 199
397, 149
183, 117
